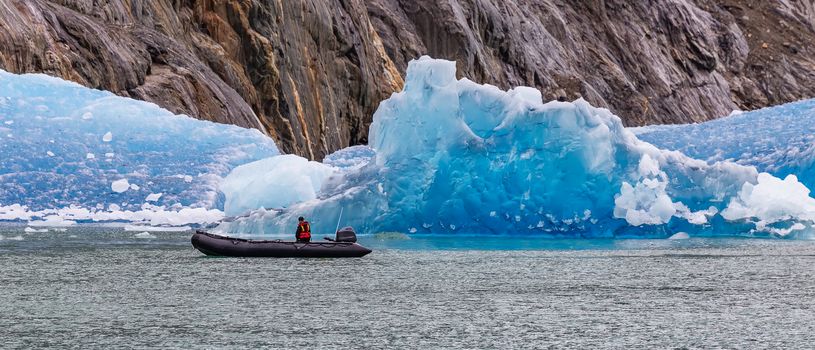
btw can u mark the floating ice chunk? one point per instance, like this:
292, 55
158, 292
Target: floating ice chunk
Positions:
275, 182
114, 207
679, 235
187, 178
90, 156
87, 116
14, 212
646, 202
50, 154
145, 235
34, 230
120, 186
771, 200
107, 137
157, 228
9, 122
15, 238
350, 157
152, 215
134, 187
153, 197
109, 155
52, 221
528, 94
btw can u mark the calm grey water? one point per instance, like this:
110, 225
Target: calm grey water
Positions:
105, 288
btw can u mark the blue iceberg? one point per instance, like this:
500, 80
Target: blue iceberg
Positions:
71, 154
453, 156
778, 140
445, 156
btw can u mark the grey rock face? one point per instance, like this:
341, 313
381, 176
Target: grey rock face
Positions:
310, 73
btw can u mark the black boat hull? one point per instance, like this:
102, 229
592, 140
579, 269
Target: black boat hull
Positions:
215, 245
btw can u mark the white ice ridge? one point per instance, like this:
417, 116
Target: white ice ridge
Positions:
62, 130
455, 156
168, 219
778, 140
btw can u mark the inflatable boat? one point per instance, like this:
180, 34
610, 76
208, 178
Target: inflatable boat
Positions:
343, 246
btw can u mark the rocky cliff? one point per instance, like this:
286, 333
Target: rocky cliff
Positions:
310, 73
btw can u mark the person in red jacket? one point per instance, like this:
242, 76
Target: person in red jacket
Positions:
303, 230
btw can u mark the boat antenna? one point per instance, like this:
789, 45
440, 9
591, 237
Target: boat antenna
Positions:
338, 221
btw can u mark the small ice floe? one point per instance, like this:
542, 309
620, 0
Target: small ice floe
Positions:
157, 228
109, 155
152, 197
15, 238
145, 235
107, 137
187, 178
9, 122
679, 235
90, 156
134, 187
120, 186
50, 154
52, 221
87, 116
34, 230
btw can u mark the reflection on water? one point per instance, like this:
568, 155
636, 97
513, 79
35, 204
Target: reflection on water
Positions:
104, 287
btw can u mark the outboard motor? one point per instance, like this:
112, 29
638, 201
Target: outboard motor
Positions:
347, 235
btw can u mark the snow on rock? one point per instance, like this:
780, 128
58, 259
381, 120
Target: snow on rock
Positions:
150, 144
120, 186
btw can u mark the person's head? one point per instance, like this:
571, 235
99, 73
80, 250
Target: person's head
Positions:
301, 219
